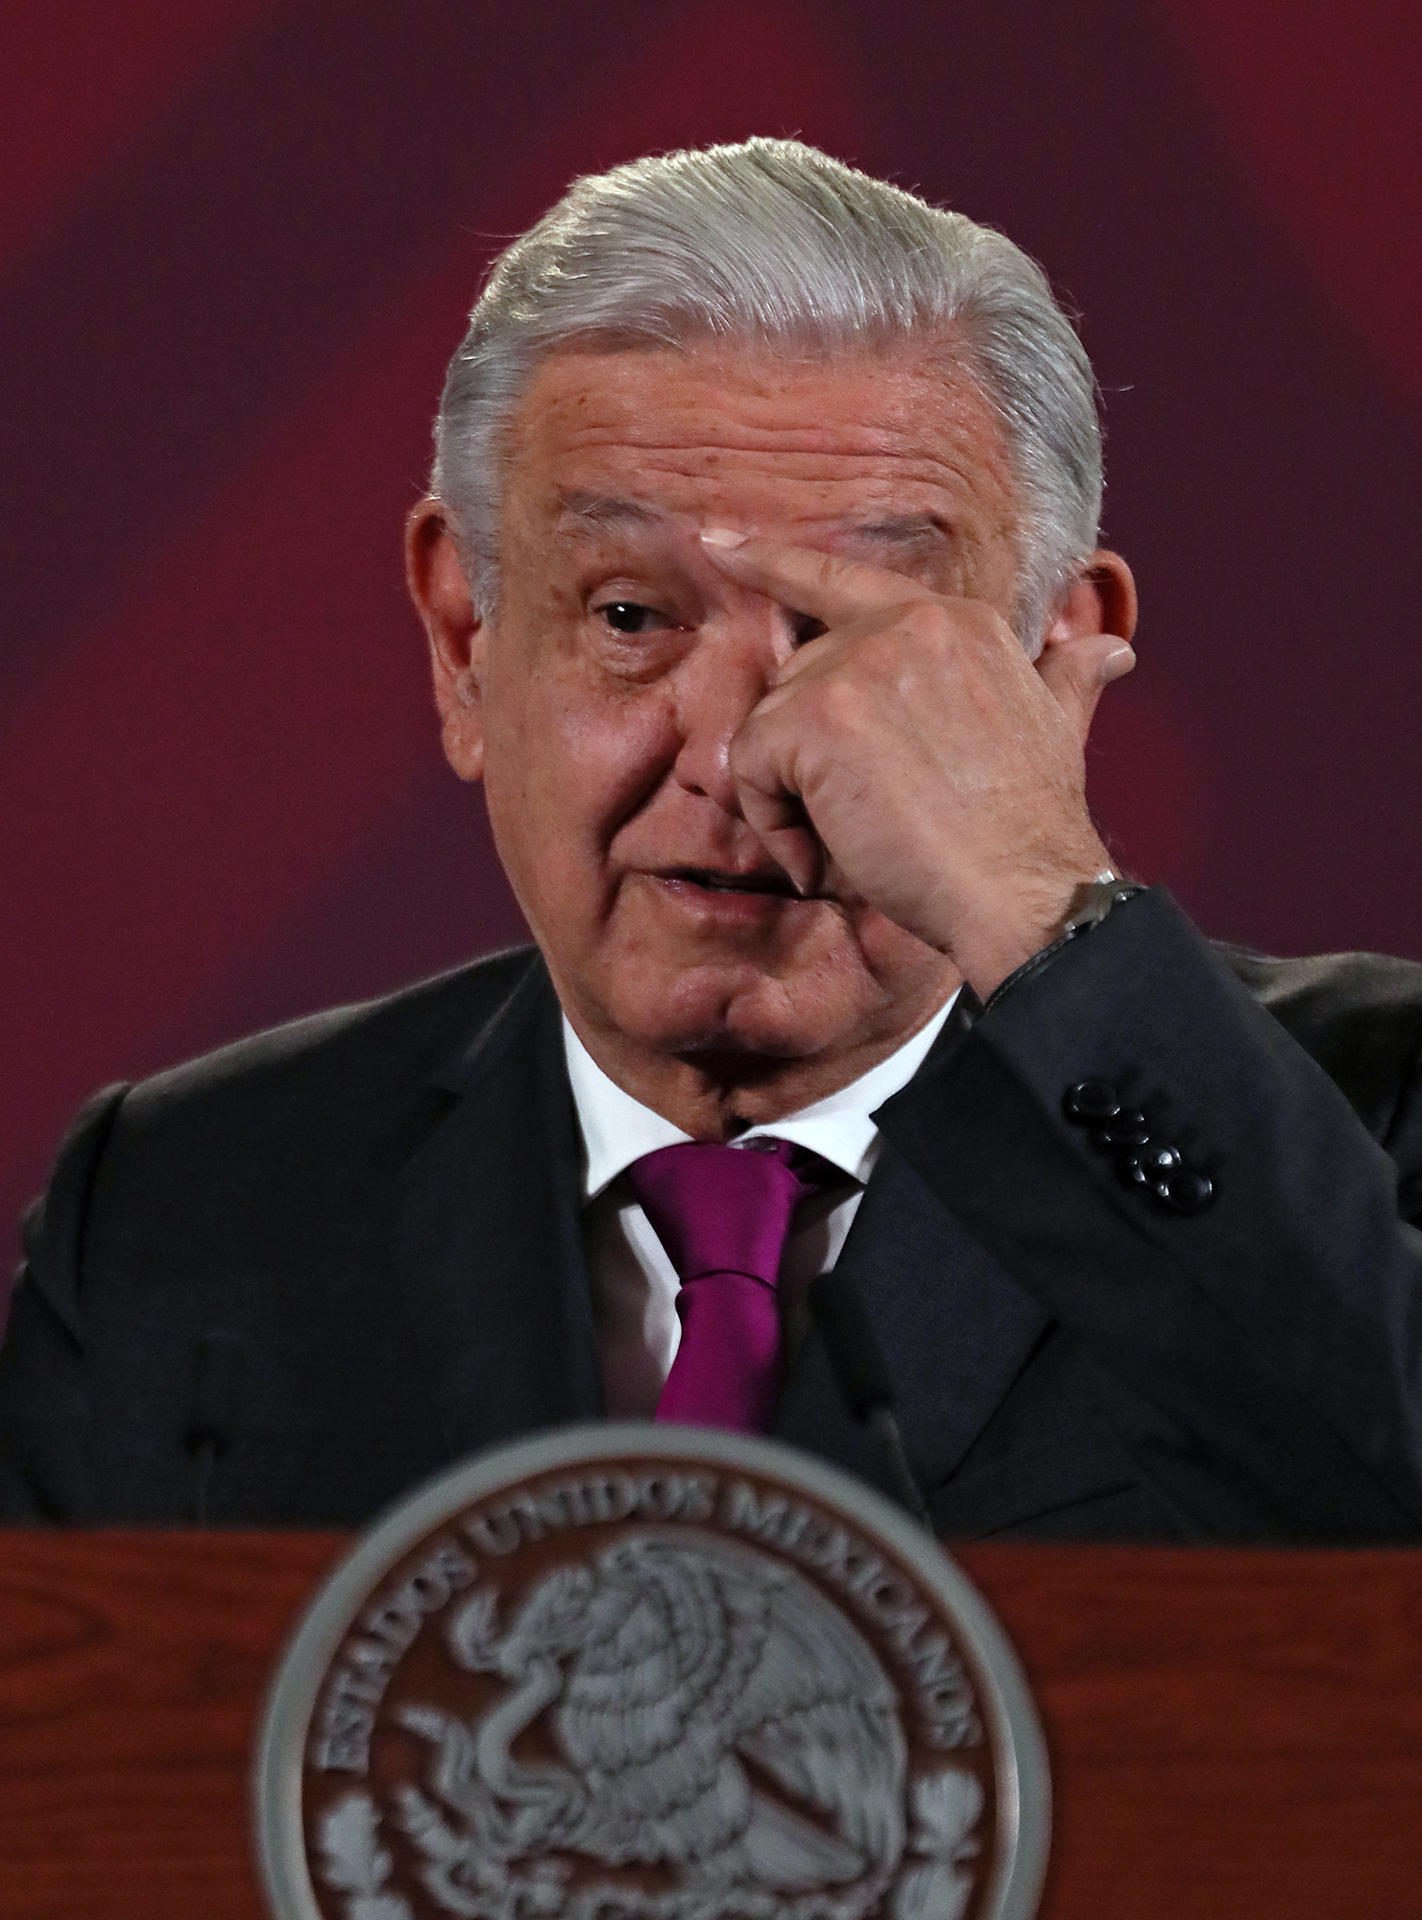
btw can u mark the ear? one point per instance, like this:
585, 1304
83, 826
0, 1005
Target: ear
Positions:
440, 590
1087, 643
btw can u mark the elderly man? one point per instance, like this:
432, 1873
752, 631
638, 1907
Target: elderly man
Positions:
762, 592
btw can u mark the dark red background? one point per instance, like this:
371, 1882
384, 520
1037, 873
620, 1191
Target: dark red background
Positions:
237, 240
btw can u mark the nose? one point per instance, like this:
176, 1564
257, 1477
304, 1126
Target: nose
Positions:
729, 670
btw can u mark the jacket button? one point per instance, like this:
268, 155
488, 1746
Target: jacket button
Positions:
1185, 1190
1092, 1101
1128, 1128
1145, 1166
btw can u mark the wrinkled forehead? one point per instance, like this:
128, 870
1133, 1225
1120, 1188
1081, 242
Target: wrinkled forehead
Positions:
616, 441
594, 519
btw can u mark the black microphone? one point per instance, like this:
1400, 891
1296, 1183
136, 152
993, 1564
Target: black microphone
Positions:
837, 1309
219, 1370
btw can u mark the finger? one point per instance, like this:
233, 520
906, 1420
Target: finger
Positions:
1078, 669
761, 765
824, 585
796, 850
778, 821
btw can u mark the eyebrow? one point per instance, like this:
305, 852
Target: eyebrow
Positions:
908, 532
916, 532
580, 508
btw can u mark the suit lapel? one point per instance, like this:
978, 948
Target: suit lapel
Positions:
955, 1328
487, 1238
488, 1250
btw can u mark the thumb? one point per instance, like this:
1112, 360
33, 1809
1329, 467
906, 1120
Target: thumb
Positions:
1078, 668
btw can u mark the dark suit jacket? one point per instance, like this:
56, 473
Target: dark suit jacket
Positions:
381, 1204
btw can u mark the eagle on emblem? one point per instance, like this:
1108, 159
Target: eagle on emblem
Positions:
713, 1713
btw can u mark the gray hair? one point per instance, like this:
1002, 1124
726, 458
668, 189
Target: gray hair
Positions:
773, 243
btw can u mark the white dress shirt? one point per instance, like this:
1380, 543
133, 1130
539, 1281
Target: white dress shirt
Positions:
634, 1283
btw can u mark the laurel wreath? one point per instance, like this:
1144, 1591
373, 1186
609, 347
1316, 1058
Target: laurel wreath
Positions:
934, 1884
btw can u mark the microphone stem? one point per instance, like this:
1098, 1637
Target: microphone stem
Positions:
881, 1419
202, 1457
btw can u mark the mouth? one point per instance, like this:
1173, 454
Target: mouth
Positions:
769, 881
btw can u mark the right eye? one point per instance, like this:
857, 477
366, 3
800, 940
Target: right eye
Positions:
630, 616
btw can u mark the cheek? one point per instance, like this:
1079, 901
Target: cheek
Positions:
616, 755
569, 763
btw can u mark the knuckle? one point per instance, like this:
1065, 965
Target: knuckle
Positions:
926, 624
839, 703
921, 616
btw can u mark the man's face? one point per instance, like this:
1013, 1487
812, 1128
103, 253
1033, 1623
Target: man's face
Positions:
607, 689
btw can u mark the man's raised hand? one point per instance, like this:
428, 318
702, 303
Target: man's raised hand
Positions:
911, 754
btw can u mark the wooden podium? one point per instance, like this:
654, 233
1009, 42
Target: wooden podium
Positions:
1233, 1734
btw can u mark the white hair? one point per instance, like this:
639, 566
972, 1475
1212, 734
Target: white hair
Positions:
772, 243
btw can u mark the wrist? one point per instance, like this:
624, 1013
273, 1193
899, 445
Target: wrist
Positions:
1092, 901
999, 921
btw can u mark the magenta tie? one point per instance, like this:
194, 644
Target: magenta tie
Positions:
723, 1214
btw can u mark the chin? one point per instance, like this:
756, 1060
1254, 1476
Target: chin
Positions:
735, 1011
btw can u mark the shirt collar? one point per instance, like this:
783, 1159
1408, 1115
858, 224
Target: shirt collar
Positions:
617, 1129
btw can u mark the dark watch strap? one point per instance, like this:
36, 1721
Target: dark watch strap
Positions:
1089, 906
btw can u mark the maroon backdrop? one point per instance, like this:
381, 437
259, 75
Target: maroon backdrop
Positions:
237, 240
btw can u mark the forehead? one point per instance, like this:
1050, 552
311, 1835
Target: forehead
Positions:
761, 438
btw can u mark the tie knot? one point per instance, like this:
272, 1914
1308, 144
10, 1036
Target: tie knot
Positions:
722, 1209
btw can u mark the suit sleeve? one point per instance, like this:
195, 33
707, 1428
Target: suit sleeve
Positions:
46, 1447
1265, 1348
